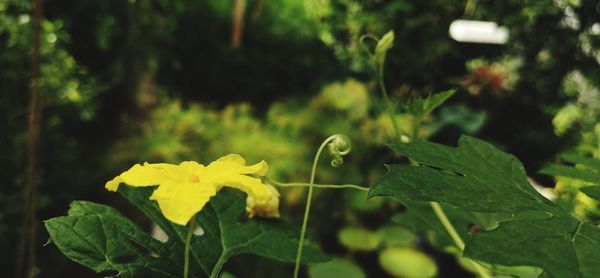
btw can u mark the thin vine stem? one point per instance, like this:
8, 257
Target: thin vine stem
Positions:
389, 107
188, 240
378, 68
441, 215
415, 131
308, 200
334, 186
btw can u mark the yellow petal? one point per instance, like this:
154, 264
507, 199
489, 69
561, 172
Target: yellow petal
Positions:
149, 174
268, 209
259, 169
236, 164
187, 168
231, 171
146, 175
113, 184
251, 186
179, 202
233, 158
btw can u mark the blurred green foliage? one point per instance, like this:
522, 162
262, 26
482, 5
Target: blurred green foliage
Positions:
286, 137
153, 80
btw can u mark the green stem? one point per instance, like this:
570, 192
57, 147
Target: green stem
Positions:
389, 108
188, 240
218, 266
307, 209
378, 69
469, 8
415, 130
441, 215
334, 186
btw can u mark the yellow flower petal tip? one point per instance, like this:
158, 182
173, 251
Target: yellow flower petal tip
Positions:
261, 168
113, 184
269, 208
183, 190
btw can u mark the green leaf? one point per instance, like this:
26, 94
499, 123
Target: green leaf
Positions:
421, 107
571, 172
407, 262
431, 102
359, 239
585, 169
79, 239
460, 116
561, 245
336, 268
476, 177
397, 236
591, 191
130, 229
534, 249
586, 161
227, 231
100, 238
357, 200
566, 118
514, 271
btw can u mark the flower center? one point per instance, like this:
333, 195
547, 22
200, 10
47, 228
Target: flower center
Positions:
194, 178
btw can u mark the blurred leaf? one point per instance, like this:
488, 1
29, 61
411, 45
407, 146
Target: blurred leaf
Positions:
585, 169
336, 268
359, 239
592, 192
586, 161
468, 121
519, 271
397, 236
421, 107
227, 275
381, 49
477, 177
571, 172
433, 101
384, 44
358, 201
407, 262
565, 118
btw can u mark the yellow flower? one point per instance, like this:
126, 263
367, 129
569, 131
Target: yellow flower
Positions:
184, 189
268, 209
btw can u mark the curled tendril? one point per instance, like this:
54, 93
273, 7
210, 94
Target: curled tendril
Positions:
339, 146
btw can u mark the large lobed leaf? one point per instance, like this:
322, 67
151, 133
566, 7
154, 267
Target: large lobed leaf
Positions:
477, 177
100, 238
